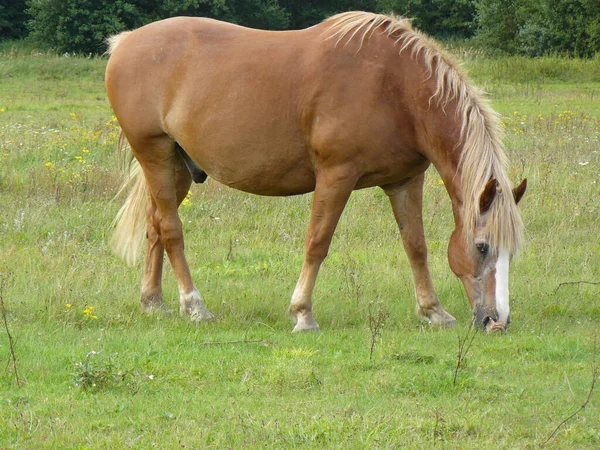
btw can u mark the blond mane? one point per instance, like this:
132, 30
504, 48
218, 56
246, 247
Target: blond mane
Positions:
482, 156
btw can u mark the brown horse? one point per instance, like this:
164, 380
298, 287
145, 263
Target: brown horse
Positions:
357, 101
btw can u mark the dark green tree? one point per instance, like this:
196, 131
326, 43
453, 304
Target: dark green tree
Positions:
82, 25
572, 26
75, 26
13, 19
499, 22
265, 14
529, 27
540, 27
305, 13
441, 18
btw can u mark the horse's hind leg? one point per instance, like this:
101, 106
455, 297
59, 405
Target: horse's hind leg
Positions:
168, 180
152, 299
407, 204
332, 191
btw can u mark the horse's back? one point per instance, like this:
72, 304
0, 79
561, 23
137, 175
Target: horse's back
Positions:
205, 52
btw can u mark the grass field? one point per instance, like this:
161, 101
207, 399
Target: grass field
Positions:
96, 373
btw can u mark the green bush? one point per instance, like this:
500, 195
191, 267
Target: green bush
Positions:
305, 13
441, 18
81, 26
536, 28
526, 27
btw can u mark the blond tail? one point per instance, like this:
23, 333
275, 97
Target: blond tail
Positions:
130, 222
113, 41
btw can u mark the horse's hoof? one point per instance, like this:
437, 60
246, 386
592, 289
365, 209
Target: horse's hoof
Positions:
306, 323
202, 316
198, 313
314, 329
191, 305
436, 317
153, 304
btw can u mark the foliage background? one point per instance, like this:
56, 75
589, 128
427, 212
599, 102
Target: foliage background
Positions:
526, 27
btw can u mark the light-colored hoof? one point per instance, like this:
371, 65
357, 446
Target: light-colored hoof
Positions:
153, 304
191, 305
202, 315
305, 322
436, 317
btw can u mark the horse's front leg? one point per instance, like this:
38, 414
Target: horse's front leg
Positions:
333, 188
407, 204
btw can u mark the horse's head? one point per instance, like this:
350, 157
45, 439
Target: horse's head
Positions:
483, 269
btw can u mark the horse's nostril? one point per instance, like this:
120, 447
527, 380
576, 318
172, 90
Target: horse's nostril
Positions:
486, 321
485, 317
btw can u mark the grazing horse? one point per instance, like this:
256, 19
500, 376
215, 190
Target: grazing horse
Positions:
357, 101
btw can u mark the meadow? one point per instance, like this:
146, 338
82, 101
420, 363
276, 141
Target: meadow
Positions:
90, 371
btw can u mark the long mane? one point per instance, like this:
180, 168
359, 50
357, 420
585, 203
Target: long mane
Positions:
482, 154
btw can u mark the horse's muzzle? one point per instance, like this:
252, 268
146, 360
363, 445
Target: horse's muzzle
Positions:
487, 319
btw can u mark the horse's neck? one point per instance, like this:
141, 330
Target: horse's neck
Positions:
444, 151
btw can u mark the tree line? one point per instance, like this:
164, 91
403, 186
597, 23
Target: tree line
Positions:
527, 27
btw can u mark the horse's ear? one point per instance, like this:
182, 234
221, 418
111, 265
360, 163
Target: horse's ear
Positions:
487, 196
519, 191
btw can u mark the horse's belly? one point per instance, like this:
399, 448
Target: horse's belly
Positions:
264, 170
263, 181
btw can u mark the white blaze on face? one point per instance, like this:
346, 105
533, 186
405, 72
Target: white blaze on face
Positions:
502, 286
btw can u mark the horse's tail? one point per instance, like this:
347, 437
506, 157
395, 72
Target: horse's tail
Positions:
113, 41
130, 222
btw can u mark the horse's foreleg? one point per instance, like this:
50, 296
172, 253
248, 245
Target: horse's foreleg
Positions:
169, 181
407, 204
332, 191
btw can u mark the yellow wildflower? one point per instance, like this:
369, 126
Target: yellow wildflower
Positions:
186, 201
88, 313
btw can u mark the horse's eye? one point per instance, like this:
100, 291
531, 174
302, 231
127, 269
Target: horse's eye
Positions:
482, 248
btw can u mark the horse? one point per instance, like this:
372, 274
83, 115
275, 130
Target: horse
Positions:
360, 100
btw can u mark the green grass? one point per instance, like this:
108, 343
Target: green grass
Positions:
113, 378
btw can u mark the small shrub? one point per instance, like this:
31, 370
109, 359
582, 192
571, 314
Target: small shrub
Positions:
93, 374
